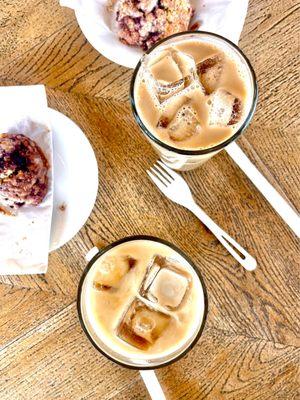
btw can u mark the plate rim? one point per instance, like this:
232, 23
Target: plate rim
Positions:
80, 18
96, 171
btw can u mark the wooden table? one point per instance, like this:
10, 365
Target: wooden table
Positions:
249, 348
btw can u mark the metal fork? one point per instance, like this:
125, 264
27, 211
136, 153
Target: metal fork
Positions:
176, 189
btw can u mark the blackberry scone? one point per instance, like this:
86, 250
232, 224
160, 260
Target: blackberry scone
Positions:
23, 171
143, 22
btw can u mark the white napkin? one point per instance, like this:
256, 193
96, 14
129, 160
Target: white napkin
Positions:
224, 17
24, 238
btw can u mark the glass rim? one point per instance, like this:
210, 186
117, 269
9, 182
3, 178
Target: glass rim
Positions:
111, 246
219, 146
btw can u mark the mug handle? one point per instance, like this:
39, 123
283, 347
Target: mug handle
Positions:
91, 253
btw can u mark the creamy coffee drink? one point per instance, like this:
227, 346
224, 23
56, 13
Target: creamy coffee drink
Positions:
193, 94
143, 300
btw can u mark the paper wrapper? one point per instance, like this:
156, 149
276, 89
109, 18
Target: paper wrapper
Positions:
224, 17
24, 238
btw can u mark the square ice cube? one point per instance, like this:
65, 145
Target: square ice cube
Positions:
168, 288
166, 70
165, 283
224, 108
141, 325
111, 270
185, 123
172, 74
210, 71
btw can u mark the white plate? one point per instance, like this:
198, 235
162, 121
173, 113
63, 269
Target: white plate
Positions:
106, 41
225, 17
75, 179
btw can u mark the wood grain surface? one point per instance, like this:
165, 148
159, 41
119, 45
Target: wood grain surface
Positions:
250, 345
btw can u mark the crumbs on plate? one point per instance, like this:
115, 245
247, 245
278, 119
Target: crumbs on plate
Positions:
62, 206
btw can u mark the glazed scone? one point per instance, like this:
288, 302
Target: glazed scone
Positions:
23, 171
143, 22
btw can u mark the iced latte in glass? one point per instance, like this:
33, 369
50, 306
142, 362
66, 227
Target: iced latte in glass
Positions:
142, 303
193, 94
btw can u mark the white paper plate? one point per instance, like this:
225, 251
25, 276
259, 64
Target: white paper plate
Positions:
75, 179
106, 42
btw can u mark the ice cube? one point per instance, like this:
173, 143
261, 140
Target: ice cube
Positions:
166, 283
171, 74
209, 72
185, 62
236, 112
168, 288
183, 125
111, 270
224, 108
165, 92
166, 70
141, 325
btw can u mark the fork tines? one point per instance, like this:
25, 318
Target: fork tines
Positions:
161, 174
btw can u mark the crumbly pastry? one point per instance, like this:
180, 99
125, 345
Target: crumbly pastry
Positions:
144, 22
23, 171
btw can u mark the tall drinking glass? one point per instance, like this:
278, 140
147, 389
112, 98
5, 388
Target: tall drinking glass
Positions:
187, 159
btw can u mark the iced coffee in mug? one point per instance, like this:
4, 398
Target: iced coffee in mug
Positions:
193, 94
142, 302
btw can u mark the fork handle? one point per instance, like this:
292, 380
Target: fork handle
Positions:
247, 261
